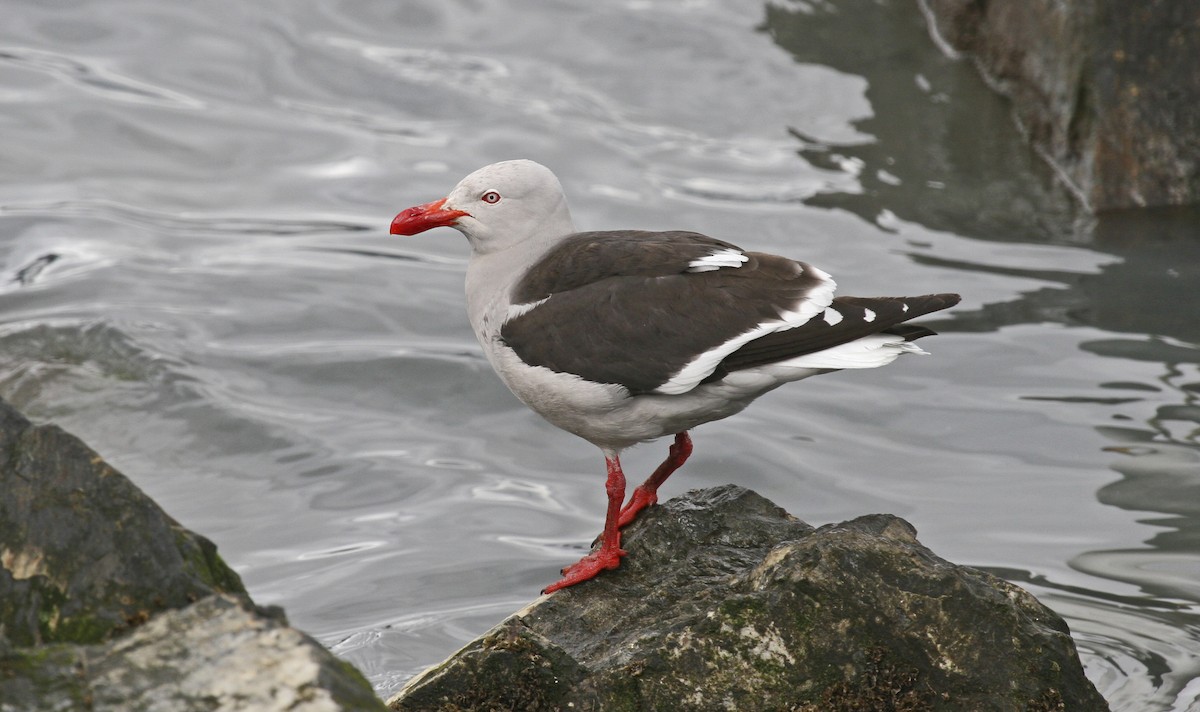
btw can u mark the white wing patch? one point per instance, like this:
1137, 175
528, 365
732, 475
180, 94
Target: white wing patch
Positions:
516, 310
815, 302
868, 315
717, 260
832, 316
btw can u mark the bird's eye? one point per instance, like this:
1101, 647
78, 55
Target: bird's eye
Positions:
491, 197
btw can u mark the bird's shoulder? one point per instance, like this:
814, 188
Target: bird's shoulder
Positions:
585, 258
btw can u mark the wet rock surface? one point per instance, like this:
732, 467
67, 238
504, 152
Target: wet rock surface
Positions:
1105, 89
84, 553
724, 602
221, 653
106, 603
727, 602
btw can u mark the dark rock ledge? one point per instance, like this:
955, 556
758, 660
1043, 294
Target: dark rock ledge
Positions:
1106, 90
724, 602
727, 602
108, 604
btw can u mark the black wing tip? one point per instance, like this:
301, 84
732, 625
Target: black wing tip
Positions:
909, 332
927, 304
903, 308
930, 303
937, 302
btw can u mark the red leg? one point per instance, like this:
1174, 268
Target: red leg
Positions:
646, 493
608, 556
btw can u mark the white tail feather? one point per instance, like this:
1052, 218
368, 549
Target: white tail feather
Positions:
868, 352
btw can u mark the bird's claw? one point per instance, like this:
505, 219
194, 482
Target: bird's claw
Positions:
639, 500
587, 568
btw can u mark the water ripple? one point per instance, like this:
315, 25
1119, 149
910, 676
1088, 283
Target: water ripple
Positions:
558, 98
413, 133
749, 193
508, 489
342, 550
95, 79
1140, 651
399, 255
176, 222
430, 65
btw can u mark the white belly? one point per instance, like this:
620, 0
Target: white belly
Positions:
608, 417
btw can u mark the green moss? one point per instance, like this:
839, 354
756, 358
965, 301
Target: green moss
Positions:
202, 558
740, 610
27, 661
1051, 700
624, 693
349, 688
880, 685
56, 627
83, 629
511, 668
44, 677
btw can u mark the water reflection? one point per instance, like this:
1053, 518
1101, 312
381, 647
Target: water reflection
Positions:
1155, 288
939, 148
969, 172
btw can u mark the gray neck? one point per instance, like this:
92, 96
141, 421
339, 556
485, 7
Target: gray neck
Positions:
492, 274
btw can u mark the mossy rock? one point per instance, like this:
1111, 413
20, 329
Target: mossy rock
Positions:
727, 602
84, 553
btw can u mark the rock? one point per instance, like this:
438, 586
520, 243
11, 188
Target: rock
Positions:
724, 601
727, 602
84, 553
219, 653
937, 147
108, 604
1106, 90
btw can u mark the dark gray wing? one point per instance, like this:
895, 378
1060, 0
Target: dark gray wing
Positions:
588, 257
628, 307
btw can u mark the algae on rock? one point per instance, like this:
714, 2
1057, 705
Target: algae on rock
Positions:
108, 604
727, 602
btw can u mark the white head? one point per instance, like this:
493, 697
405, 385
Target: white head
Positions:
496, 207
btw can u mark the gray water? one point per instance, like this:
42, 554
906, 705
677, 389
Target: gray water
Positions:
195, 277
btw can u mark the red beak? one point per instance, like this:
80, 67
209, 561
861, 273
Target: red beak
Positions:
423, 217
